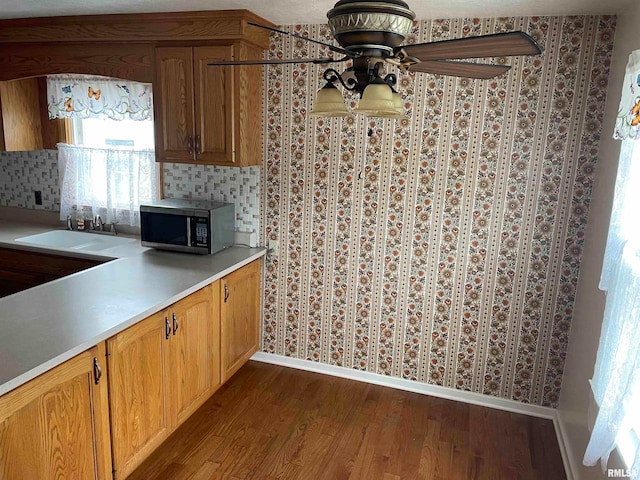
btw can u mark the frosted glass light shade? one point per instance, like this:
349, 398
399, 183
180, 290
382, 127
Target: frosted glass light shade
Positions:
377, 99
398, 109
329, 103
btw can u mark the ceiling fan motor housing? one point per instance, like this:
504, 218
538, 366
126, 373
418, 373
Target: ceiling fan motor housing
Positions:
371, 27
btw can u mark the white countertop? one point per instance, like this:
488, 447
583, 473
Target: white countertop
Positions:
46, 325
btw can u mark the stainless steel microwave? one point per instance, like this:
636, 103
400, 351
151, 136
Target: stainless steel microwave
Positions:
191, 226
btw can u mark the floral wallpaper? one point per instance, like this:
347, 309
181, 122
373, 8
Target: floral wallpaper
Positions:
444, 248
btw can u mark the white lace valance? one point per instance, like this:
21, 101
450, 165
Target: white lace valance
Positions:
87, 96
628, 121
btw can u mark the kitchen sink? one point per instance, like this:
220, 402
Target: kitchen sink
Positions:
75, 240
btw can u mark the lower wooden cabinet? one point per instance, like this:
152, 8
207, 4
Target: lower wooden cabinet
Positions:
57, 425
161, 370
194, 352
137, 392
21, 269
84, 421
239, 317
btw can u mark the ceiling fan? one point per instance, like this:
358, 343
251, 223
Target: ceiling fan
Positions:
370, 34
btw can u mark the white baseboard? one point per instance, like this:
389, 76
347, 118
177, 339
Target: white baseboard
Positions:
472, 398
561, 434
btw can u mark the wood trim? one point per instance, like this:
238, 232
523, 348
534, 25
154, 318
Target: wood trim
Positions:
2, 144
146, 27
130, 61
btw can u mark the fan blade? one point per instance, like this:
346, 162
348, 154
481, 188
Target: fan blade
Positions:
317, 61
460, 69
495, 45
333, 48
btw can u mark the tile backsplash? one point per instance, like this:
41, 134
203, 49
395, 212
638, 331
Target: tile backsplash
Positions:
22, 173
225, 184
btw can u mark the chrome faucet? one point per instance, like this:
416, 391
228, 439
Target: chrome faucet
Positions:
81, 225
97, 225
100, 227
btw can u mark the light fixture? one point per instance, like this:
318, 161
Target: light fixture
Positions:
398, 108
378, 98
329, 103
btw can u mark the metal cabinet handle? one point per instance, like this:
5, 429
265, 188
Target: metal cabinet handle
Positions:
190, 144
226, 293
175, 324
167, 328
198, 147
97, 371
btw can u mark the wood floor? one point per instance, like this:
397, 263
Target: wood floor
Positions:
271, 422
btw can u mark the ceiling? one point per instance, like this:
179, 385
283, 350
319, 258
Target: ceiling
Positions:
285, 12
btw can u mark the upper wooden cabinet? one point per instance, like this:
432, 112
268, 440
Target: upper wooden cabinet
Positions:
24, 117
214, 112
206, 114
193, 105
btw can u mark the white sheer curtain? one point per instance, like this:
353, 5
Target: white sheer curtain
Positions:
111, 182
616, 379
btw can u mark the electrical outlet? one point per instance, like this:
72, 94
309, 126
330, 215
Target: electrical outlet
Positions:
273, 246
38, 195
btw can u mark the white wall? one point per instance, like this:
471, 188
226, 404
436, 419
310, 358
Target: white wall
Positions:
589, 307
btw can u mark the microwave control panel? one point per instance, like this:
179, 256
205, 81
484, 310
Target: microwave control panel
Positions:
202, 229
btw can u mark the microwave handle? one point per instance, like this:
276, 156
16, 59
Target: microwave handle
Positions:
188, 231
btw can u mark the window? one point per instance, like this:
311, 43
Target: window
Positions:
616, 377
110, 169
104, 132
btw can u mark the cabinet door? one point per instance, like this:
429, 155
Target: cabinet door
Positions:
20, 112
173, 104
248, 107
214, 103
239, 317
194, 353
57, 425
139, 419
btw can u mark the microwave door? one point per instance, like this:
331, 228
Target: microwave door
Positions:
166, 229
